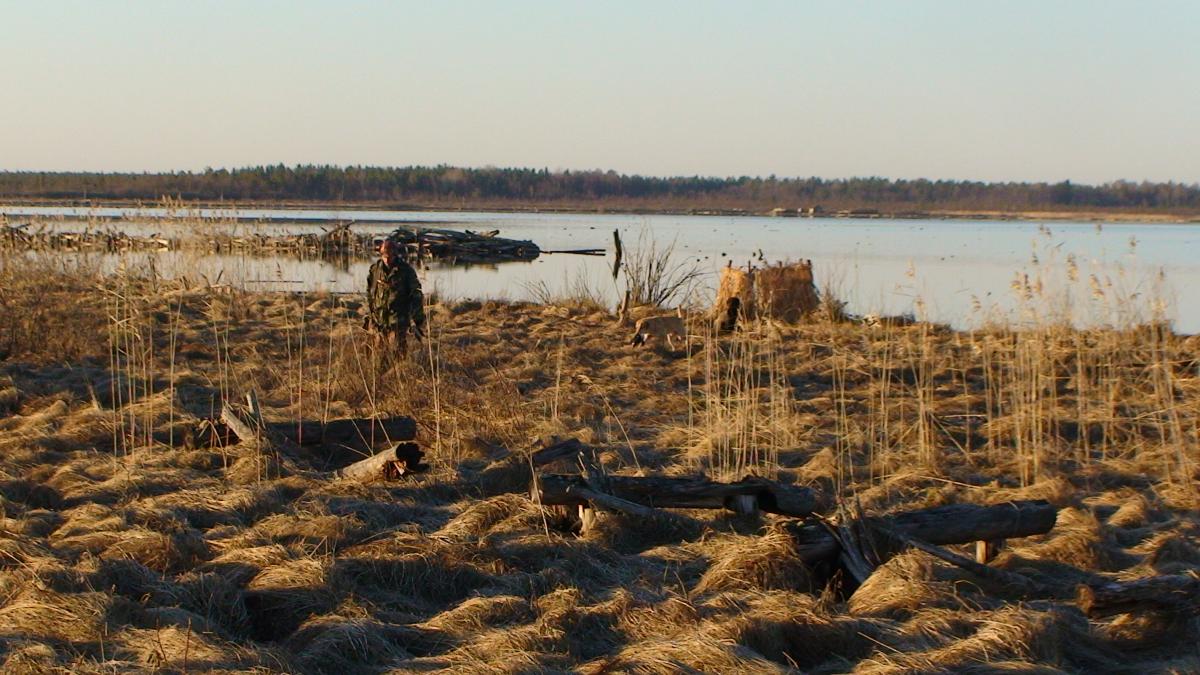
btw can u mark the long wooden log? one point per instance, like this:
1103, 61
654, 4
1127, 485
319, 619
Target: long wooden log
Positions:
683, 493
561, 450
613, 503
1174, 593
399, 460
941, 525
1013, 580
358, 434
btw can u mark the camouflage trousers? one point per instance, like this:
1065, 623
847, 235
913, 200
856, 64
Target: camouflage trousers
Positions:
392, 340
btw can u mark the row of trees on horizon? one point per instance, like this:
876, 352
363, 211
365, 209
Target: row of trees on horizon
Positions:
516, 188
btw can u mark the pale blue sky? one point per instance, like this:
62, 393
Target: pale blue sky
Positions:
1091, 91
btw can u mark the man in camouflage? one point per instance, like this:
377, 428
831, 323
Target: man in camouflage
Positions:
395, 303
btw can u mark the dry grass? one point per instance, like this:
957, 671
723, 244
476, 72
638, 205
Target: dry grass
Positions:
120, 549
787, 292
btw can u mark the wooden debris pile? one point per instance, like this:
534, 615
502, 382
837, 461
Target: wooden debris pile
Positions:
643, 496
462, 247
859, 544
360, 449
851, 545
416, 243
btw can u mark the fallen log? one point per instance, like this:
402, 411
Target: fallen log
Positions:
399, 460
683, 493
359, 434
617, 504
941, 525
1174, 593
580, 251
1012, 580
561, 450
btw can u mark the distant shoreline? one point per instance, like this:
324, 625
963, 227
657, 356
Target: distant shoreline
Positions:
860, 214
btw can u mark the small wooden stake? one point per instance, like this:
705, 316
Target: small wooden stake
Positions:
587, 518
985, 551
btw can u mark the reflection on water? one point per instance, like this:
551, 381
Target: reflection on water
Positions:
952, 271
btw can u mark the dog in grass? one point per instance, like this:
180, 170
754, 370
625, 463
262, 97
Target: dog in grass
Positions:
660, 329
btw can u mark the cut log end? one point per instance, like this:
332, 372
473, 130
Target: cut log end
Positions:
394, 463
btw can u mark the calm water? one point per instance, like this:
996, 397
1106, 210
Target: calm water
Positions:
952, 271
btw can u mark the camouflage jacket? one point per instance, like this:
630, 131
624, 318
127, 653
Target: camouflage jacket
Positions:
394, 298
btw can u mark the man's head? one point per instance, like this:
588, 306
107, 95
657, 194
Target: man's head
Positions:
387, 251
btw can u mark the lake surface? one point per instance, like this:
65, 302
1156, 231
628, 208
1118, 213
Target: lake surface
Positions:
955, 271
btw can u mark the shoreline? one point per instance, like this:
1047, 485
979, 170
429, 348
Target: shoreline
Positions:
859, 214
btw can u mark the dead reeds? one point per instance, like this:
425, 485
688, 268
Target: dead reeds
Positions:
122, 549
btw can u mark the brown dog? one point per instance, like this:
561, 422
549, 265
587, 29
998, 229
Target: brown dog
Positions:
659, 328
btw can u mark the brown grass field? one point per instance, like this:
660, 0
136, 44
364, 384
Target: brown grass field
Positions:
122, 550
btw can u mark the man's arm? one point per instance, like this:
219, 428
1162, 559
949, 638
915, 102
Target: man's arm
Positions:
416, 302
372, 284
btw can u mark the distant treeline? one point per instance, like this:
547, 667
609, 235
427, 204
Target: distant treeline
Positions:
445, 186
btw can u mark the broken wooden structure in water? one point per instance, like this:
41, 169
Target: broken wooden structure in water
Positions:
418, 244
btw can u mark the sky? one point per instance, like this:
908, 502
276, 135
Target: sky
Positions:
1089, 91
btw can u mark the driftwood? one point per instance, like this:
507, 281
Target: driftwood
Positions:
1012, 580
1176, 593
350, 433
952, 524
339, 242
593, 489
858, 550
462, 246
357, 434
684, 493
399, 460
596, 252
561, 450
613, 503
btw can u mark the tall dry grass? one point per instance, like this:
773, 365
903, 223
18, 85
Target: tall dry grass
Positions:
122, 549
